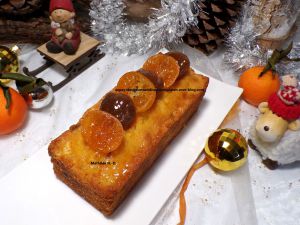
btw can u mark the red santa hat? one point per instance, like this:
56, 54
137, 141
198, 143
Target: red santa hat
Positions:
285, 104
290, 95
61, 4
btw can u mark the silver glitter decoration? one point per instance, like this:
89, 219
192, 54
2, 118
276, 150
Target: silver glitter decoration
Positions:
290, 67
243, 52
166, 26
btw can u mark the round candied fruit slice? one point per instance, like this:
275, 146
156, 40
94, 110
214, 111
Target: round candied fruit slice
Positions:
121, 106
163, 66
139, 88
156, 80
101, 131
183, 62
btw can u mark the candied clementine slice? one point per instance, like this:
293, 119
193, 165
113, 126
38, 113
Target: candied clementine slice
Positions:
183, 62
101, 131
139, 88
165, 67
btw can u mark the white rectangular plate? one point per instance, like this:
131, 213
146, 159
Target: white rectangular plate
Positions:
32, 195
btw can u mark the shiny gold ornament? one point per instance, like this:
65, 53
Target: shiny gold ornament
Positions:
226, 149
9, 61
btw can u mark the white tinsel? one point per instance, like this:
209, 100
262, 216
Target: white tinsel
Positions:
166, 26
244, 52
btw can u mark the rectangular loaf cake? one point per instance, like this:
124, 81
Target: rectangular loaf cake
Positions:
104, 181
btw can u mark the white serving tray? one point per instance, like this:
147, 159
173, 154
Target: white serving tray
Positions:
32, 195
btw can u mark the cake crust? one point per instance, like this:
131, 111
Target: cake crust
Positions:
104, 181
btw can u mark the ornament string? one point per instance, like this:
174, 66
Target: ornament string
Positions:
182, 202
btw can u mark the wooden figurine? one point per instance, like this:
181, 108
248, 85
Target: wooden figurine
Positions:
65, 31
73, 50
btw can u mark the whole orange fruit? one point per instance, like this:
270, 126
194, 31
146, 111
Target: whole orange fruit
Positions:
258, 89
13, 117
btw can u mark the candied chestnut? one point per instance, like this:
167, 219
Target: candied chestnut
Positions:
183, 62
121, 106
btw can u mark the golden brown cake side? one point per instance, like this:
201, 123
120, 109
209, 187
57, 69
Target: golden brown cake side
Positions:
105, 186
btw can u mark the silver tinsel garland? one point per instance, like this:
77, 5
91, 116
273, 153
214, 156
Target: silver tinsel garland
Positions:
166, 26
244, 52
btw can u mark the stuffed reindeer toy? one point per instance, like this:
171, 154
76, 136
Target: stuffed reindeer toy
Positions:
275, 134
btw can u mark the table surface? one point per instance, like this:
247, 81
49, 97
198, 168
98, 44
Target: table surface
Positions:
251, 195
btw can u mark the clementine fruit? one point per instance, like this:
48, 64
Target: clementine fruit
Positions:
12, 118
258, 89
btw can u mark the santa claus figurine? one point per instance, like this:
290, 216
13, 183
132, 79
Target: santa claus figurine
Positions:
65, 32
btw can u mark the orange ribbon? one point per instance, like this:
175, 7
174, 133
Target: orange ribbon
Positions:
182, 203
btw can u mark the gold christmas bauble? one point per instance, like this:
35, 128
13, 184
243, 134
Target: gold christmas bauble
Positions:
226, 149
9, 61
